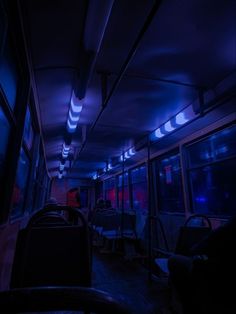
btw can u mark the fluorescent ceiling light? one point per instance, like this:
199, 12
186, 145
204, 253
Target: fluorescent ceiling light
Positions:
131, 152
180, 118
158, 133
73, 118
168, 127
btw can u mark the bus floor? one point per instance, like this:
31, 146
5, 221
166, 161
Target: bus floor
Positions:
128, 281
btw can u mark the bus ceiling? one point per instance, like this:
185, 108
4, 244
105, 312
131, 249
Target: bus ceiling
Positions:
111, 76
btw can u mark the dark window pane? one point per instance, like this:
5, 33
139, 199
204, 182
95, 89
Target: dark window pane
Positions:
126, 191
84, 192
109, 184
20, 186
125, 179
111, 195
214, 189
170, 184
9, 75
4, 133
126, 197
28, 130
140, 197
110, 192
138, 175
139, 189
215, 147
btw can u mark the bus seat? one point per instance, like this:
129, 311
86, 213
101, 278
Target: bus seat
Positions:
202, 282
48, 299
52, 254
189, 234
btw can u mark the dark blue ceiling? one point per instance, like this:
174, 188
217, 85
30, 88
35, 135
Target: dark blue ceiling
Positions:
189, 46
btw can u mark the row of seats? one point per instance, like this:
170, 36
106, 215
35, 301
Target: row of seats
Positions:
110, 226
201, 271
52, 267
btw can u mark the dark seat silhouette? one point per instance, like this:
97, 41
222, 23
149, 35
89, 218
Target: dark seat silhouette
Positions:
53, 251
189, 235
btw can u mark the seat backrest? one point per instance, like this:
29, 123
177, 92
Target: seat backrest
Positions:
189, 236
56, 255
191, 233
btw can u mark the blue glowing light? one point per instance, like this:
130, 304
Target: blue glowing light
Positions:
180, 119
201, 199
71, 127
61, 167
127, 155
122, 158
222, 150
131, 151
109, 167
65, 154
158, 133
74, 118
66, 148
75, 107
168, 127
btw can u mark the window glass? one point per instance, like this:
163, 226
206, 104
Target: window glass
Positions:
213, 188
20, 186
126, 191
170, 184
4, 133
28, 130
110, 192
216, 147
84, 196
9, 75
212, 185
139, 189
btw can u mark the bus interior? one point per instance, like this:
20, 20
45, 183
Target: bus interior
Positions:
117, 152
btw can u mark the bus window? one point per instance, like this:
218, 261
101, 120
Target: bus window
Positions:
126, 191
4, 131
20, 187
110, 191
212, 169
139, 189
170, 184
8, 74
28, 130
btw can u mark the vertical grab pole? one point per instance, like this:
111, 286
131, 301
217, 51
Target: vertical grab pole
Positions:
149, 189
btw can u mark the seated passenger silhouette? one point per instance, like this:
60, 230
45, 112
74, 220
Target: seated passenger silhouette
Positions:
50, 203
208, 272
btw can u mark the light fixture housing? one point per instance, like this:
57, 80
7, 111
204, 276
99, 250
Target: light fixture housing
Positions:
74, 113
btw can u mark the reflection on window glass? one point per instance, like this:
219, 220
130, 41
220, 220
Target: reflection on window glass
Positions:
4, 133
218, 146
20, 186
110, 192
139, 189
9, 75
28, 130
84, 194
212, 170
214, 189
170, 184
126, 192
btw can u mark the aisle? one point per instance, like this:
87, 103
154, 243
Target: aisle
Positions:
128, 282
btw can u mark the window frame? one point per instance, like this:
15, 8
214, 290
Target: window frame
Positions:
188, 168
